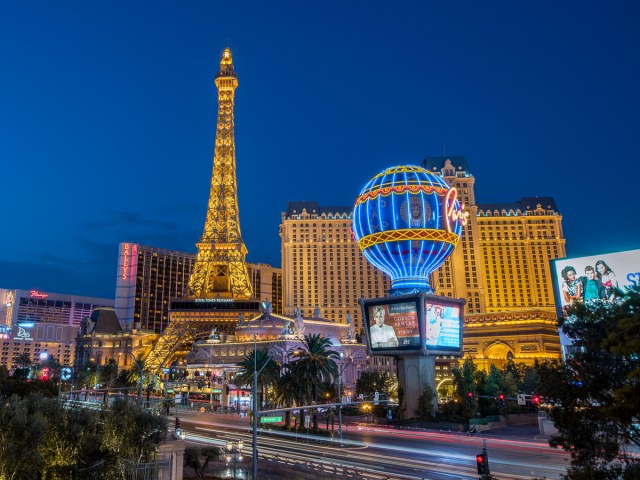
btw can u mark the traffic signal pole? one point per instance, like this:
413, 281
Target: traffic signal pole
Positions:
482, 463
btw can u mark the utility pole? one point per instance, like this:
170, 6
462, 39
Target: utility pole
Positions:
255, 404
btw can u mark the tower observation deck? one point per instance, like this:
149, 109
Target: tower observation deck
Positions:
219, 290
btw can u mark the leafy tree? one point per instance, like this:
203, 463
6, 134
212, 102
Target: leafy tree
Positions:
23, 360
425, 403
464, 381
131, 433
596, 393
22, 428
316, 364
198, 458
374, 381
108, 373
71, 440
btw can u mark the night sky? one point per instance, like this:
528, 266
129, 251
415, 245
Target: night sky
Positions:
108, 111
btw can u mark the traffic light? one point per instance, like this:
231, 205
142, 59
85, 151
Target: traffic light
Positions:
501, 399
177, 423
482, 462
536, 399
470, 397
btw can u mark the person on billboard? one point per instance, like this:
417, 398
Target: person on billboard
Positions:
591, 285
435, 316
608, 279
382, 336
572, 286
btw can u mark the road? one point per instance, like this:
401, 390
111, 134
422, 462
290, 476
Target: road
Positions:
379, 452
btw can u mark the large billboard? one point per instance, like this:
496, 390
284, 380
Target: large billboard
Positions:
442, 325
414, 324
393, 325
598, 278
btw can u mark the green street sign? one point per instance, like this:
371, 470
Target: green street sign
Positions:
270, 419
216, 390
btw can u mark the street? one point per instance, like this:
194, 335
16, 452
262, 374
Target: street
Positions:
386, 452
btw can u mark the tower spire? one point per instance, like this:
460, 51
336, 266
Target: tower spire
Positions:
219, 290
220, 269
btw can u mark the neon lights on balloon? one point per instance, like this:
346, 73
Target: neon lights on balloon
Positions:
406, 222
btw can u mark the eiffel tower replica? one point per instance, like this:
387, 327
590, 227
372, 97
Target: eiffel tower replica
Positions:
219, 291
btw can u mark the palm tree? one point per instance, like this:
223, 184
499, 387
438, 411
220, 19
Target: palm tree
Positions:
316, 364
266, 378
24, 360
290, 392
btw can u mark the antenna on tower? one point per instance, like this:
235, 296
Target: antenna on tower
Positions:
228, 42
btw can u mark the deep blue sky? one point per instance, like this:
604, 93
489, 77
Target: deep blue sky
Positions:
108, 110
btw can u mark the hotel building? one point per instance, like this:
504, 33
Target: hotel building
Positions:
149, 278
32, 322
501, 267
322, 264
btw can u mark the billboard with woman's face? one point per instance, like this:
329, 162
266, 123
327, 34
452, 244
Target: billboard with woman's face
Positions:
442, 325
393, 326
598, 278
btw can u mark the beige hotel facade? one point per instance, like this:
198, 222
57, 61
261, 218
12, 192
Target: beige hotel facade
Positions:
501, 267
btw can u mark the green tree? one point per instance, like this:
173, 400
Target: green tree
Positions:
71, 440
268, 377
198, 458
108, 373
596, 393
287, 394
315, 364
22, 428
374, 381
23, 360
464, 381
131, 433
425, 403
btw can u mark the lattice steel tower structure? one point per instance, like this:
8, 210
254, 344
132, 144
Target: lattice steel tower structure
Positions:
219, 290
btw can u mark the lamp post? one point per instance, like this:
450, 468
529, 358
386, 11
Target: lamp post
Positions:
349, 359
139, 364
255, 404
234, 453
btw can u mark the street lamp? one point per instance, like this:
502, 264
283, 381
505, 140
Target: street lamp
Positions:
255, 403
349, 360
234, 453
140, 365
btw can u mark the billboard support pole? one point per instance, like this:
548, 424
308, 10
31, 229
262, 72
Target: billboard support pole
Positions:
415, 373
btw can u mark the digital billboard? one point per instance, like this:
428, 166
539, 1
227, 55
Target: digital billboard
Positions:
598, 278
393, 326
442, 325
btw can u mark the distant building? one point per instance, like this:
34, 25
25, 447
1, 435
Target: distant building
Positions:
101, 339
36, 306
212, 363
32, 322
504, 262
149, 278
29, 340
322, 265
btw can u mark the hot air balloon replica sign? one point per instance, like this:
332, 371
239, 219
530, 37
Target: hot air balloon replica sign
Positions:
407, 221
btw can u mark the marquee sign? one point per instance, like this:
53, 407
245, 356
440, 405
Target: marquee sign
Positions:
24, 331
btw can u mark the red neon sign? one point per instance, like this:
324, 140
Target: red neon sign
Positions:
37, 294
129, 255
125, 262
